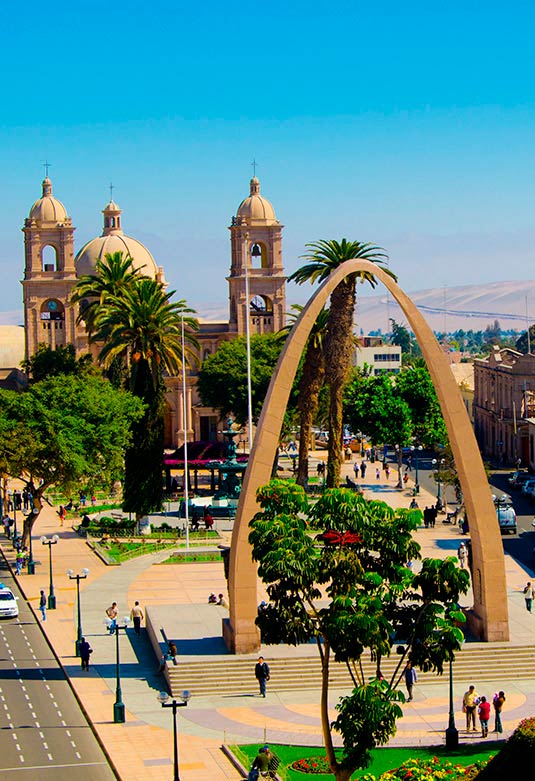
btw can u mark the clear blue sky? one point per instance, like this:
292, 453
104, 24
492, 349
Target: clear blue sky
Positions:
408, 125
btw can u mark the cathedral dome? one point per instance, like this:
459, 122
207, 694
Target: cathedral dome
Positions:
255, 209
48, 208
114, 240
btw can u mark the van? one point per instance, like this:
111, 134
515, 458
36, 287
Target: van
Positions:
505, 512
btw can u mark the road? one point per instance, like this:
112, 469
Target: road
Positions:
44, 732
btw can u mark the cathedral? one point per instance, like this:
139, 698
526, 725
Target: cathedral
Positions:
52, 268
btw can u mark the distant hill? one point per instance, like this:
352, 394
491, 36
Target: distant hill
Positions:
463, 306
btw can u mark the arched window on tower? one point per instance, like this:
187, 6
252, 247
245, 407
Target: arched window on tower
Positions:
258, 255
52, 311
261, 306
49, 258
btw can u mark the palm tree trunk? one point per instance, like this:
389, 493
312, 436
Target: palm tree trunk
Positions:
339, 350
309, 390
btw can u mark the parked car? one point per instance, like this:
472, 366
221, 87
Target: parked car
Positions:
528, 485
521, 479
505, 512
8, 603
514, 476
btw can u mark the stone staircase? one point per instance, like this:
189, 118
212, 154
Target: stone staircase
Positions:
235, 674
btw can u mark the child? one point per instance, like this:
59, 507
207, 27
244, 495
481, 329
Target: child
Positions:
484, 715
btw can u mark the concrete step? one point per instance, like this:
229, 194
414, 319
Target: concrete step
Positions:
234, 675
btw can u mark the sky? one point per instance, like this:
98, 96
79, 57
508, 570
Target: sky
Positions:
410, 126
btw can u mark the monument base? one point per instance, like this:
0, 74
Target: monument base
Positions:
246, 642
487, 631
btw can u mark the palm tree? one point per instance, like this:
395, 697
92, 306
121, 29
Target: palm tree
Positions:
112, 275
310, 385
323, 258
133, 321
142, 323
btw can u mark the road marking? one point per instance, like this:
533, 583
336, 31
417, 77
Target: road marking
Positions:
73, 744
37, 725
17, 746
45, 745
50, 757
60, 714
42, 767
68, 733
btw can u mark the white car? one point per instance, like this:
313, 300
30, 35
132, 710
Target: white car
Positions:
8, 603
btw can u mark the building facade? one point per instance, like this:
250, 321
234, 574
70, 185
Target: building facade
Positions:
379, 357
504, 401
256, 289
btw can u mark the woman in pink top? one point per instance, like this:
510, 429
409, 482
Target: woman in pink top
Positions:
484, 715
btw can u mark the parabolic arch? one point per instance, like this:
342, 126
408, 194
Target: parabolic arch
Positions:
488, 618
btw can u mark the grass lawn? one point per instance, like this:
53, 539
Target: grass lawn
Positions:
184, 558
383, 759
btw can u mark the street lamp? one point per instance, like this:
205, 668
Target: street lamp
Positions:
31, 562
51, 596
416, 450
118, 706
452, 733
163, 698
79, 633
15, 533
438, 464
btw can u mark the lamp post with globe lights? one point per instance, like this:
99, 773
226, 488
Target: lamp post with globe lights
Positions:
118, 706
163, 698
51, 596
79, 632
438, 463
416, 450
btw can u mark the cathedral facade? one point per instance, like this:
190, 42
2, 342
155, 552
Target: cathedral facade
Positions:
52, 268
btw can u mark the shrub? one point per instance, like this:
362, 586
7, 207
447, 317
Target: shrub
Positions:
516, 755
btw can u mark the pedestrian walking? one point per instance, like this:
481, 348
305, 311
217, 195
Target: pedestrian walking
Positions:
42, 604
462, 555
528, 595
356, 470
497, 703
261, 672
6, 520
363, 469
377, 474
19, 561
410, 679
387, 471
136, 614
85, 653
470, 701
484, 716
62, 512
112, 612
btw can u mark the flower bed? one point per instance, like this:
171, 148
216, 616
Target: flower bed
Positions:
433, 769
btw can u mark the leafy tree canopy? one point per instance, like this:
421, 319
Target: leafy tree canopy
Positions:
521, 343
48, 362
222, 381
404, 338
350, 588
397, 409
68, 432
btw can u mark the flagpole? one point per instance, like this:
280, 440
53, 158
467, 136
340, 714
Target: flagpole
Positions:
248, 344
185, 433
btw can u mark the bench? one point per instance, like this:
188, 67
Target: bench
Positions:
118, 515
274, 763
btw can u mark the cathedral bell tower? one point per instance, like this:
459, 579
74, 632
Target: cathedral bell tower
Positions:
49, 274
256, 251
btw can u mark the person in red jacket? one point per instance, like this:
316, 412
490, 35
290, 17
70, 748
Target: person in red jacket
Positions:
484, 715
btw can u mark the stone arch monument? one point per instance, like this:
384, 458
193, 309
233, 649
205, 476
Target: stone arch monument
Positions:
488, 618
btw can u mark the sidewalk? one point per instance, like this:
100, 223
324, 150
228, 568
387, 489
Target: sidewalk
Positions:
142, 747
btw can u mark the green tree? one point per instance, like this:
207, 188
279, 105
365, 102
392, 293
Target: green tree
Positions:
405, 339
143, 324
374, 407
415, 387
67, 432
48, 362
222, 379
309, 386
323, 258
351, 591
521, 343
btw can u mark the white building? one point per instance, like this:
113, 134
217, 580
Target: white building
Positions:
381, 358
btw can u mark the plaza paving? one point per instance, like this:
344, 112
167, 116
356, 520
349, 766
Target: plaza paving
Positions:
142, 747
